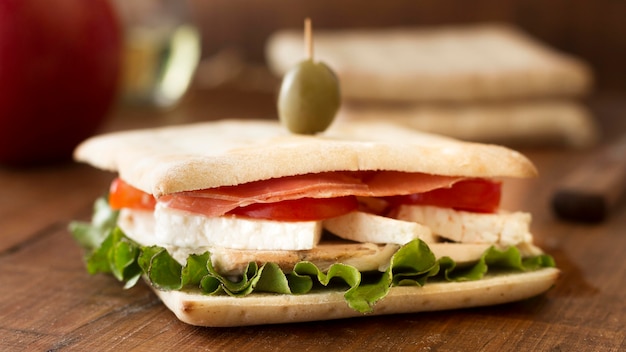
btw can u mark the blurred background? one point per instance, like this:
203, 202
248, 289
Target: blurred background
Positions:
178, 57
592, 30
231, 54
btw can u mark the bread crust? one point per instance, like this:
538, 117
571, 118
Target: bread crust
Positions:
194, 308
229, 152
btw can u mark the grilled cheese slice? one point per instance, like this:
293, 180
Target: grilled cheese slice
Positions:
230, 254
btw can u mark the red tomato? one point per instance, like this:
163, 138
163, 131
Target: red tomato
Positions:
478, 195
123, 195
304, 209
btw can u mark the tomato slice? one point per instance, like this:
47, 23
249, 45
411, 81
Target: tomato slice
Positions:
303, 209
218, 201
123, 195
477, 195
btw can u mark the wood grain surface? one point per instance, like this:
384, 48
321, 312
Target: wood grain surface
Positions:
48, 302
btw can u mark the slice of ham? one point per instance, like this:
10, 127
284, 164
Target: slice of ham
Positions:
219, 201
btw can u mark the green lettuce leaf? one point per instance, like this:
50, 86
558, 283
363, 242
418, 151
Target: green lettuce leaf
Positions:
90, 235
163, 271
109, 251
195, 269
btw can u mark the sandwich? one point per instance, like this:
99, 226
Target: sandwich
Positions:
240, 222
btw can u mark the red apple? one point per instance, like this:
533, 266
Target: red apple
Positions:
59, 67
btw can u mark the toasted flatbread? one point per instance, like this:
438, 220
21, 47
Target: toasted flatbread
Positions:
230, 152
440, 64
223, 311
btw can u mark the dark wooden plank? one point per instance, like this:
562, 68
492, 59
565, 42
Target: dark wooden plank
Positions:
34, 198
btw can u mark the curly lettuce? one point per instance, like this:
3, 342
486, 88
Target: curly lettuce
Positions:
110, 251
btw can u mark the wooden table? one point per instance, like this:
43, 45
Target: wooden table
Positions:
49, 302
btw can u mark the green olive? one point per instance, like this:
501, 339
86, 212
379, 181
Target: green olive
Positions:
309, 98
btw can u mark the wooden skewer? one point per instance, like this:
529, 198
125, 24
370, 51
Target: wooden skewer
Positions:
308, 38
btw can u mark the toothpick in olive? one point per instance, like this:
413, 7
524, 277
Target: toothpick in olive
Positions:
309, 95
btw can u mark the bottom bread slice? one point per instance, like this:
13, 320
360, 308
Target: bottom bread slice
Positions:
259, 308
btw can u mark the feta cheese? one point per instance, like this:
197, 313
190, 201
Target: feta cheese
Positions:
364, 227
137, 225
183, 229
506, 229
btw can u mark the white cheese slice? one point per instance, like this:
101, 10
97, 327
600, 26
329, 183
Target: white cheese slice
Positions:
183, 229
138, 225
503, 228
364, 227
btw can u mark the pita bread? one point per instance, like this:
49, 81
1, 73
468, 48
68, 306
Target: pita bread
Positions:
224, 311
230, 152
445, 64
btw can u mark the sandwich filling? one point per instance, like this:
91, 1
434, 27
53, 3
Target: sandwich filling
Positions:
292, 213
242, 215
314, 219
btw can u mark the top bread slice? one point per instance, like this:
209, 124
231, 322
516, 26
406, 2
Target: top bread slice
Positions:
203, 155
467, 63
